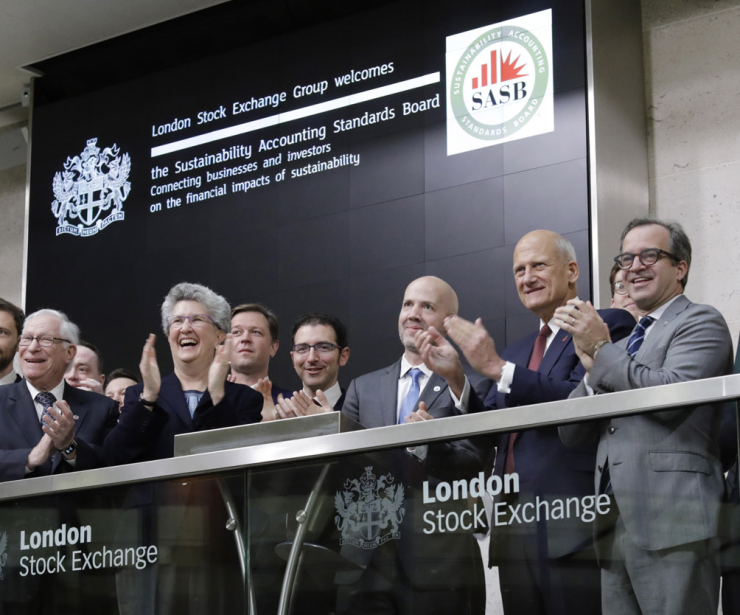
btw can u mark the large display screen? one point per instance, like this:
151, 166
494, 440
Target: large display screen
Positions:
322, 170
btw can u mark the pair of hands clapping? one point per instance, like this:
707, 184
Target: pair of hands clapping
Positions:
152, 379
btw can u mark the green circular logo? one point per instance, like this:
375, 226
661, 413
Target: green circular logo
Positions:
539, 63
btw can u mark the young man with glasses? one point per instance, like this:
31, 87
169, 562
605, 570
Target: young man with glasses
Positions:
662, 469
319, 350
49, 426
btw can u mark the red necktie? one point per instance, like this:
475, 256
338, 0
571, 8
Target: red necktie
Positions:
534, 364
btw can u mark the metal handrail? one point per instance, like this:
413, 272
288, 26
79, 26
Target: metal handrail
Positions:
724, 388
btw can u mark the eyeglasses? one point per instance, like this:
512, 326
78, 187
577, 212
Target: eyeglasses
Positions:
44, 340
197, 321
647, 257
323, 348
620, 288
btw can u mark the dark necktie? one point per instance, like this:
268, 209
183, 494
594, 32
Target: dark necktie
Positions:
46, 400
638, 335
409, 402
538, 352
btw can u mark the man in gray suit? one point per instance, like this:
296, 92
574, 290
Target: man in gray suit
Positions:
440, 572
662, 469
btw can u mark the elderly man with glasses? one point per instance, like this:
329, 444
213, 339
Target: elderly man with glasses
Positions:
662, 470
49, 426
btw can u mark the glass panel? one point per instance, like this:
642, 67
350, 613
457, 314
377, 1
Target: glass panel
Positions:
154, 547
400, 530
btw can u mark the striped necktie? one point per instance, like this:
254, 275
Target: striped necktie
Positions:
638, 335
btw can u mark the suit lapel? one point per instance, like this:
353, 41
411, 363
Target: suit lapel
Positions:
658, 337
22, 411
433, 389
388, 393
172, 398
553, 353
78, 404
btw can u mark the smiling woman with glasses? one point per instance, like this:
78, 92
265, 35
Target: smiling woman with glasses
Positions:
196, 396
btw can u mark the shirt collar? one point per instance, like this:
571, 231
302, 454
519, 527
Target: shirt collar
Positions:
658, 313
332, 394
406, 366
57, 391
8, 378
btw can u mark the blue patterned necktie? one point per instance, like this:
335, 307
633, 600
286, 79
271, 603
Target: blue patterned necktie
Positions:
45, 400
193, 399
638, 335
409, 402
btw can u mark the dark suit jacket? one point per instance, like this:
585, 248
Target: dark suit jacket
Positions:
21, 430
439, 560
144, 435
276, 390
545, 466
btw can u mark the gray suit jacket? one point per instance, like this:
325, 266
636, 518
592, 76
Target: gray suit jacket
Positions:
441, 560
664, 466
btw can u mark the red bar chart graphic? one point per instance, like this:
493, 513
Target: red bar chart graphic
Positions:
484, 72
489, 71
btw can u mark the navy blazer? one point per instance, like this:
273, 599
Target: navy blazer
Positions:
546, 467
144, 435
95, 416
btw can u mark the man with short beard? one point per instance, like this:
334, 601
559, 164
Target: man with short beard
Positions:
11, 324
442, 572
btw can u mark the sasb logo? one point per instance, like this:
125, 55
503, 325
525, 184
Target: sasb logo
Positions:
366, 507
499, 82
91, 183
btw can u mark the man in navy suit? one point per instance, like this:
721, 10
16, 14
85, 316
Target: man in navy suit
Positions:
11, 325
49, 426
545, 566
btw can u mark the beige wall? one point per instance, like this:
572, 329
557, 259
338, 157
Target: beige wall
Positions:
693, 107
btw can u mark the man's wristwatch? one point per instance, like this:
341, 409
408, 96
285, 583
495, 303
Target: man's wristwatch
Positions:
70, 449
597, 346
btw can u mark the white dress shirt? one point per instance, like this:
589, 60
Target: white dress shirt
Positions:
507, 373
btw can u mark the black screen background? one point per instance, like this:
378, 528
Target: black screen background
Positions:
346, 241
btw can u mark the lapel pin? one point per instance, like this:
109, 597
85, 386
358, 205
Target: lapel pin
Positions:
437, 389
75, 417
565, 338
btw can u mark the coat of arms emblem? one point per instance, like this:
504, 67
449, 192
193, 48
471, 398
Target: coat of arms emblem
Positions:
91, 183
366, 507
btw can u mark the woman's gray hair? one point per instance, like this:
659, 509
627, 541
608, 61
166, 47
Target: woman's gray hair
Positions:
216, 306
67, 329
